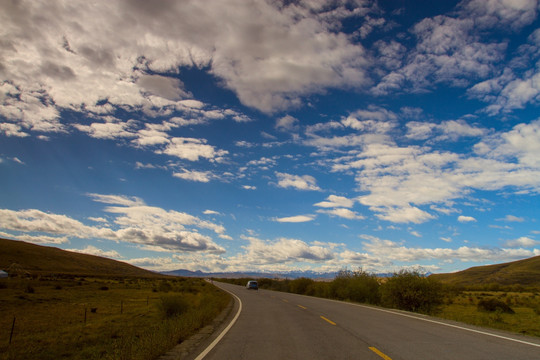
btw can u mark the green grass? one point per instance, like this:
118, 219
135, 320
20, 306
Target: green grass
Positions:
513, 275
526, 305
101, 318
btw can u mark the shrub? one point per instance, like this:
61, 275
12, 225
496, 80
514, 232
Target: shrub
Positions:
302, 286
173, 305
357, 286
412, 291
493, 305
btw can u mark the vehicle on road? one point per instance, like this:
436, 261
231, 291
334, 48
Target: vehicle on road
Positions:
252, 285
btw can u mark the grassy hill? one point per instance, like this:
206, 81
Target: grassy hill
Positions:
522, 272
19, 256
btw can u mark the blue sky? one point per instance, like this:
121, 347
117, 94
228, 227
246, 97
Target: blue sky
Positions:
273, 136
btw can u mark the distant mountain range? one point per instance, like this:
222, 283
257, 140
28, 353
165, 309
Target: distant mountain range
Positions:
18, 257
257, 275
270, 275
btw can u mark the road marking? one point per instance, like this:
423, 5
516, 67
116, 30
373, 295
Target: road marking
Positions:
376, 351
303, 307
284, 300
217, 340
328, 320
442, 323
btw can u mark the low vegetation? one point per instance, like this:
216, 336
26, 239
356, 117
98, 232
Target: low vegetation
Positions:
510, 307
74, 317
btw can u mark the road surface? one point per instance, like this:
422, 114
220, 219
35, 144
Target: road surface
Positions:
276, 325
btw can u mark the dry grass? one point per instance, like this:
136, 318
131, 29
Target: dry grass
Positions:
526, 305
100, 318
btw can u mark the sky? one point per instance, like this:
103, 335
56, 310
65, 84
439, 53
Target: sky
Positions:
273, 136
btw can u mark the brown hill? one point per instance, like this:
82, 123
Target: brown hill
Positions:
522, 272
25, 258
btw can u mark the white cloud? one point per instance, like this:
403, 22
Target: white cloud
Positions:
192, 149
92, 250
392, 251
108, 130
264, 52
295, 219
304, 182
466, 219
501, 13
284, 251
335, 201
521, 143
211, 212
343, 213
12, 130
287, 123
152, 227
523, 241
37, 239
199, 176
512, 218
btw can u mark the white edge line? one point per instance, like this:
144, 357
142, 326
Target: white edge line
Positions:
218, 339
449, 325
427, 320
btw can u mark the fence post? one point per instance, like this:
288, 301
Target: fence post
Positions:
12, 328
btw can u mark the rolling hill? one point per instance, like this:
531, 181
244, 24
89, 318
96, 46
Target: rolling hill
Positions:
522, 272
22, 257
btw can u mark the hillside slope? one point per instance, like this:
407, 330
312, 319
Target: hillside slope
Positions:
20, 256
522, 272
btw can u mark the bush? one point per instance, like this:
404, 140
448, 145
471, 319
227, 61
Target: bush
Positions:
411, 290
357, 286
173, 305
303, 286
493, 305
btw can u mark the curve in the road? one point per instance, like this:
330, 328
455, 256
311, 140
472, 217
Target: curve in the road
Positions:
224, 332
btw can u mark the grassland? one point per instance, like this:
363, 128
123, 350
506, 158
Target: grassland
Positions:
525, 320
73, 317
518, 274
58, 304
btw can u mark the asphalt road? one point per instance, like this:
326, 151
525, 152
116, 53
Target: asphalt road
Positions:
275, 325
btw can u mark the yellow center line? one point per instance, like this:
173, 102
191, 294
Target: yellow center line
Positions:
376, 351
328, 320
284, 300
303, 307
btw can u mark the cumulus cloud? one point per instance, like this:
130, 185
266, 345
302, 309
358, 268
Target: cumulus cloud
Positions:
333, 201
135, 222
284, 250
198, 176
192, 149
266, 53
287, 123
392, 251
466, 219
395, 181
92, 250
299, 182
37, 239
524, 241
